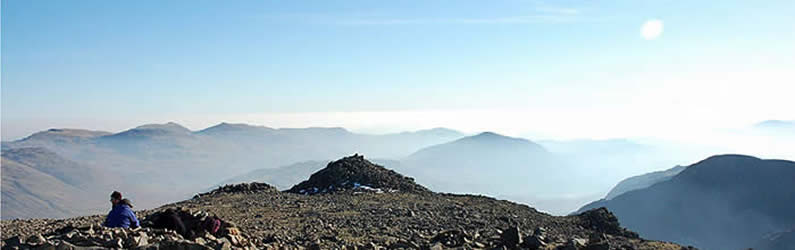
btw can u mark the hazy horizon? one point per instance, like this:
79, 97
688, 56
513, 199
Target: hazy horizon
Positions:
554, 70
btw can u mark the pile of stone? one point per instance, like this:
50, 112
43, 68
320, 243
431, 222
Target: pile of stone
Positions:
146, 237
511, 238
604, 221
356, 174
245, 188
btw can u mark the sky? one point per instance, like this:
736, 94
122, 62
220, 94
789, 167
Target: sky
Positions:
552, 69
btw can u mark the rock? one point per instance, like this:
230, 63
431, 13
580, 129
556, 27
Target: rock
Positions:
232, 231
137, 241
45, 246
209, 237
511, 237
479, 245
183, 245
36, 240
575, 244
253, 187
233, 239
450, 238
121, 234
63, 245
221, 241
404, 244
534, 242
13, 241
540, 231
598, 241
603, 221
71, 234
114, 243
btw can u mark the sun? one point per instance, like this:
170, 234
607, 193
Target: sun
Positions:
651, 29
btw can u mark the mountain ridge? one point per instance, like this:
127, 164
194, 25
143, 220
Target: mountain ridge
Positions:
187, 161
712, 204
267, 218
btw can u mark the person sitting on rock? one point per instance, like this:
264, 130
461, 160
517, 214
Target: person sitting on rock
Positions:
121, 215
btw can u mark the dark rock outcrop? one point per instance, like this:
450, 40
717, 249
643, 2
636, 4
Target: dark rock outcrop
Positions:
247, 188
356, 173
603, 221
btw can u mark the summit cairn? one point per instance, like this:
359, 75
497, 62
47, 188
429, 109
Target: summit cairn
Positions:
244, 188
356, 174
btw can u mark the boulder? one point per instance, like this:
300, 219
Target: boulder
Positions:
603, 221
511, 237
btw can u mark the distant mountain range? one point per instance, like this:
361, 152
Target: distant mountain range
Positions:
487, 163
776, 125
145, 160
722, 202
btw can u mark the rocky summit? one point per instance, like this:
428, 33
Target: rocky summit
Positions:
356, 173
411, 217
246, 188
82, 233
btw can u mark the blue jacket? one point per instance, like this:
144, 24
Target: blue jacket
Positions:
121, 216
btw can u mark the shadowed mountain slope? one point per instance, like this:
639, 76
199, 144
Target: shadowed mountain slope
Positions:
722, 202
39, 183
643, 181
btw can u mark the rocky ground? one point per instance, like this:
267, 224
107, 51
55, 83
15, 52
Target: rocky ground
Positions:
365, 218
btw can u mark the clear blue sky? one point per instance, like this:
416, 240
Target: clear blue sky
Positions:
111, 64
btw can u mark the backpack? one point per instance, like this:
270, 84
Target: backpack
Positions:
212, 224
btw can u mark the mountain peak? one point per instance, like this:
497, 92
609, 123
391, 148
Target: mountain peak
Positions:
232, 127
440, 131
170, 126
66, 133
723, 168
498, 140
489, 134
318, 129
356, 173
730, 157
149, 130
775, 123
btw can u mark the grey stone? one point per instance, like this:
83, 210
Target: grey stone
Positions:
511, 237
36, 240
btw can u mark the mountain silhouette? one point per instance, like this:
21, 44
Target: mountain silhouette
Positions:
188, 161
722, 202
643, 181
